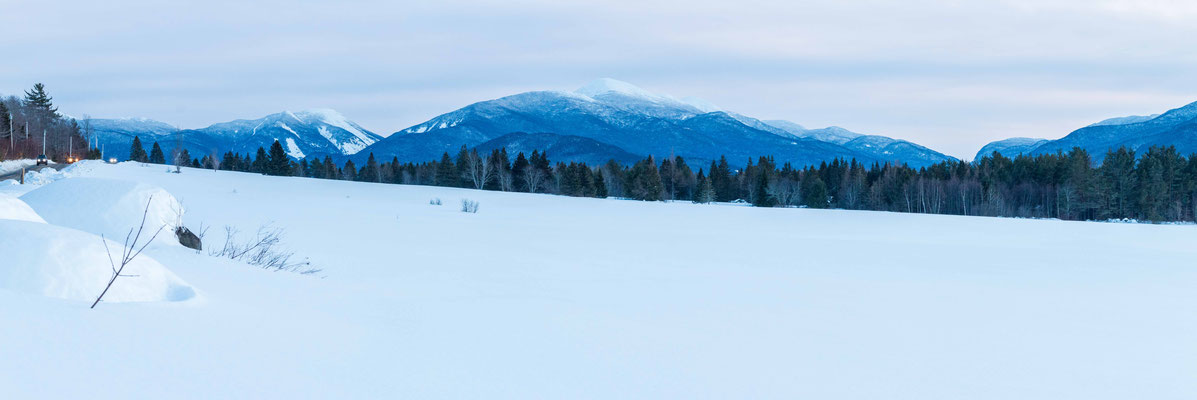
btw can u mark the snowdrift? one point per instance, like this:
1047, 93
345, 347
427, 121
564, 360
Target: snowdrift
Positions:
53, 261
15, 209
106, 207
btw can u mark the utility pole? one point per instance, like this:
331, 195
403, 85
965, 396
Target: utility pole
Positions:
11, 133
43, 142
71, 148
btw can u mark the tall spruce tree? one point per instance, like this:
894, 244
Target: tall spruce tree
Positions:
137, 151
156, 155
261, 161
371, 172
446, 172
277, 162
40, 102
706, 191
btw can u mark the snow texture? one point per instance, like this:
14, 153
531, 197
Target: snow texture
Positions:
540, 296
13, 208
108, 207
57, 262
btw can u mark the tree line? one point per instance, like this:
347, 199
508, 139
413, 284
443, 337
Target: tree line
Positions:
1158, 185
31, 123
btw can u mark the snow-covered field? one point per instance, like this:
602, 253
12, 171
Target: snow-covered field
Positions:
540, 296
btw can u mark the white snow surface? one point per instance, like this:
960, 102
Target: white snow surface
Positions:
108, 207
13, 208
293, 149
9, 166
540, 296
53, 261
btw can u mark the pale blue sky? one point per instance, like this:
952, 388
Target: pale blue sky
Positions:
951, 75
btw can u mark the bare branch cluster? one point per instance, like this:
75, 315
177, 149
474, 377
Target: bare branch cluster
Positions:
263, 249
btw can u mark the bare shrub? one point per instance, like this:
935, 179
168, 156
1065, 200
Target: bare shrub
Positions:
435, 202
469, 206
129, 251
263, 249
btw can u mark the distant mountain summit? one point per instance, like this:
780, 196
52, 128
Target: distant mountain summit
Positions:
1011, 147
626, 119
302, 134
1177, 127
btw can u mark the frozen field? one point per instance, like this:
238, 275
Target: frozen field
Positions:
539, 296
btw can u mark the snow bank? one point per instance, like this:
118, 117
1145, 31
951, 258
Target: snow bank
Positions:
43, 176
14, 165
106, 207
15, 209
53, 261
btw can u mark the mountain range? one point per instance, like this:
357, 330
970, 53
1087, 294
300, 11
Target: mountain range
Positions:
604, 120
1177, 127
302, 134
626, 119
613, 120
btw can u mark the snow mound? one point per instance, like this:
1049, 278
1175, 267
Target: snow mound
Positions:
64, 263
43, 176
14, 209
107, 207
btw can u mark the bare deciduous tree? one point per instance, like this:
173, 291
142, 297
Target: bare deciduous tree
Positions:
477, 169
785, 190
533, 178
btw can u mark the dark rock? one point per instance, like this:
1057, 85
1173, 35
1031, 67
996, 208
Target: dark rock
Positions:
188, 239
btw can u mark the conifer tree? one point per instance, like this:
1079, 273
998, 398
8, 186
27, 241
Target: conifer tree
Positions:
705, 193
370, 173
277, 162
137, 151
40, 102
446, 172
600, 185
261, 161
349, 173
815, 191
156, 156
517, 170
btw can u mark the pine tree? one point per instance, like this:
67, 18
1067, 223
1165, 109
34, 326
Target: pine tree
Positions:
446, 172
370, 173
261, 161
815, 191
705, 192
137, 151
156, 155
40, 102
517, 170
277, 162
644, 181
349, 173
600, 184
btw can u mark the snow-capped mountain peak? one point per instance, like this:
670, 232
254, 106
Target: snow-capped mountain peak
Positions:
701, 105
608, 86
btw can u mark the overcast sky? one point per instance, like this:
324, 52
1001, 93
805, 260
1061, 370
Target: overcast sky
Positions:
952, 75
